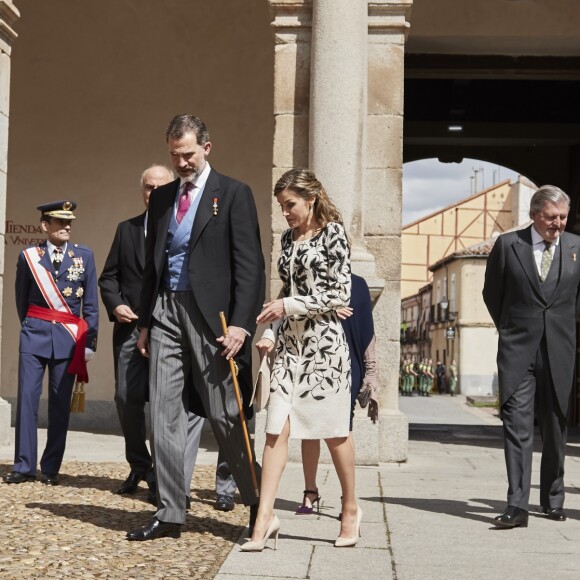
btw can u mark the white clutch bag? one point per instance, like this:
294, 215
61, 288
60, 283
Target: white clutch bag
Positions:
262, 385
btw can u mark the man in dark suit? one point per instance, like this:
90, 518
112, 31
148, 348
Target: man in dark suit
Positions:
56, 299
203, 256
531, 291
120, 284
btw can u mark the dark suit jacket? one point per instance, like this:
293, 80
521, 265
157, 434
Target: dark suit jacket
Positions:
122, 277
77, 282
513, 295
226, 265
121, 282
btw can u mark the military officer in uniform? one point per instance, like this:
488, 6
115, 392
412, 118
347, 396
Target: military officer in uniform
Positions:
452, 378
407, 378
422, 377
429, 377
56, 299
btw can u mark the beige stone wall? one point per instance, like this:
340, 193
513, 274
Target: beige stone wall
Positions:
512, 27
94, 85
475, 344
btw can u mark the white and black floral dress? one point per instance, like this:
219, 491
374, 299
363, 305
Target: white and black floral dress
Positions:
310, 380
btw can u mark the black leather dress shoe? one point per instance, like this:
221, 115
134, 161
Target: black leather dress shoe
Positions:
131, 484
253, 516
513, 517
155, 529
224, 503
17, 477
556, 514
49, 478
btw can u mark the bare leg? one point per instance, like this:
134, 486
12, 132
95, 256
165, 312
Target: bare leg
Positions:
310, 457
342, 452
273, 464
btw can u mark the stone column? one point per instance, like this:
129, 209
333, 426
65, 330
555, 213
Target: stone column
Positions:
387, 29
292, 26
8, 17
338, 110
329, 62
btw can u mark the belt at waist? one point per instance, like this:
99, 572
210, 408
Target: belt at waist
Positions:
78, 365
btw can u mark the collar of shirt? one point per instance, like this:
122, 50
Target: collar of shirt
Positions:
537, 240
198, 183
51, 247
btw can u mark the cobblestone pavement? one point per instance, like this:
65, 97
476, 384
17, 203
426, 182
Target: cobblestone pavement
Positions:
77, 529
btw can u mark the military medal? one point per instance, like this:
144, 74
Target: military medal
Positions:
80, 291
67, 291
76, 270
573, 257
215, 206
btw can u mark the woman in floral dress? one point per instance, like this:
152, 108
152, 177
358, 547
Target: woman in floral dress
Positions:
310, 384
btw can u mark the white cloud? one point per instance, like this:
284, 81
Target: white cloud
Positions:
429, 185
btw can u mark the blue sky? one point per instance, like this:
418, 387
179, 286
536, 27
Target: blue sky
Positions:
429, 185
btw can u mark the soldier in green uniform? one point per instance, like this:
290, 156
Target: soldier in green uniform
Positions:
421, 387
452, 377
429, 376
409, 377
402, 376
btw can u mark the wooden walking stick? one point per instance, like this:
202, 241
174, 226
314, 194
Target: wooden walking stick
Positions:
234, 372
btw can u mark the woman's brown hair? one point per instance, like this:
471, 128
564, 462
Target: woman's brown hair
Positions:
303, 182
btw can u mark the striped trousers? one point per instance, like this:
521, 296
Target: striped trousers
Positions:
183, 348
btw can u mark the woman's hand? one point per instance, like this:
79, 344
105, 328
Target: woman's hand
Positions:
265, 346
271, 311
344, 312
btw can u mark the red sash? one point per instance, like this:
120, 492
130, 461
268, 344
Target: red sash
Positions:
78, 365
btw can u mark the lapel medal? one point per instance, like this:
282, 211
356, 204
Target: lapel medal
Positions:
573, 257
215, 206
76, 270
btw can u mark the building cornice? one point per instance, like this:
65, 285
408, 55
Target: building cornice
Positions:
9, 15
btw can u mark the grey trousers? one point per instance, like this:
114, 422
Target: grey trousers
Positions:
181, 344
131, 390
518, 426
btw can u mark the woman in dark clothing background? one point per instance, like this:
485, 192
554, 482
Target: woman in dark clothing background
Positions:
358, 325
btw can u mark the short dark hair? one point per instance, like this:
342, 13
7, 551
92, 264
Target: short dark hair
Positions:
182, 124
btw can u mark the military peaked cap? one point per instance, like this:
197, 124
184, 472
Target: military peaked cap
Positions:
59, 209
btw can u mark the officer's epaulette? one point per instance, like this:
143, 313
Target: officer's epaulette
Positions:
82, 247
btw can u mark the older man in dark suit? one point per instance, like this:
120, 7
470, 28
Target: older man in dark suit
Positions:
531, 291
203, 256
120, 284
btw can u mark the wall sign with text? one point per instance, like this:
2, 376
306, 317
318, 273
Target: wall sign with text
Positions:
23, 234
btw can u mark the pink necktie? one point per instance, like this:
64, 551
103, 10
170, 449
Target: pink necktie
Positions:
184, 202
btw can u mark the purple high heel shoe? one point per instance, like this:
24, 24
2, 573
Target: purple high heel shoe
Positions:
304, 510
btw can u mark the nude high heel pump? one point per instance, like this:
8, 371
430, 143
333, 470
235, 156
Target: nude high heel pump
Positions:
349, 542
273, 528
